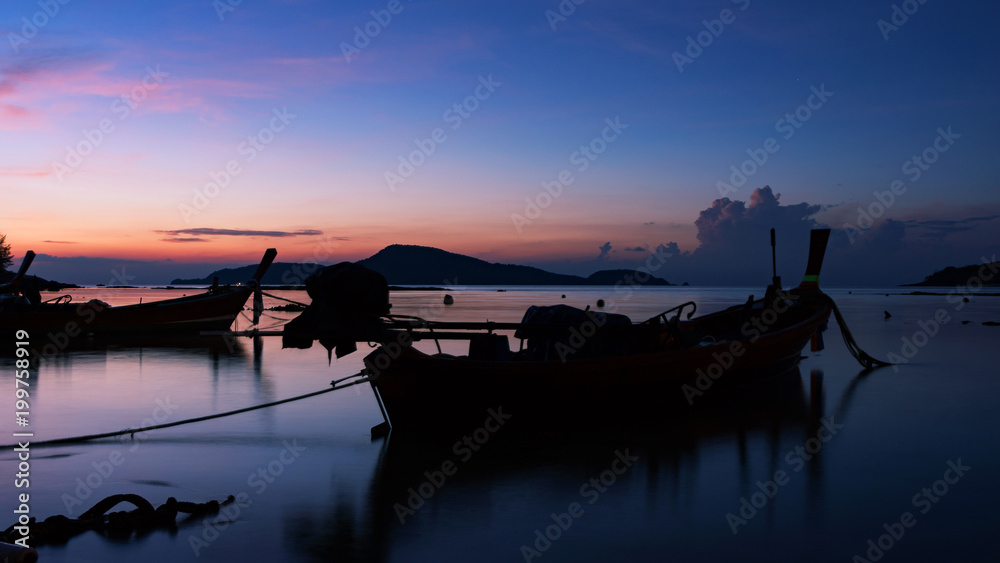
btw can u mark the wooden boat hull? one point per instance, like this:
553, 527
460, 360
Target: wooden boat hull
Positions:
55, 326
184, 315
420, 390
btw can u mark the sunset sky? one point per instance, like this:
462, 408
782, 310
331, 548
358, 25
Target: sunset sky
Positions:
181, 136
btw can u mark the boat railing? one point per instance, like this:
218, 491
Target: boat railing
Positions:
662, 317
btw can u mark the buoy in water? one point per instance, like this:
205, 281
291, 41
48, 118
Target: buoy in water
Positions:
448, 299
600, 302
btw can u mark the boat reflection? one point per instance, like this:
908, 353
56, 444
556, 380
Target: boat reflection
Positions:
208, 366
446, 484
182, 345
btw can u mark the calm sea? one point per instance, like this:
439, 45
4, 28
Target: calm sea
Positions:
827, 463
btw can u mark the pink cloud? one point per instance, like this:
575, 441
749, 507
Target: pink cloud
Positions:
35, 92
19, 118
9, 111
24, 172
56, 85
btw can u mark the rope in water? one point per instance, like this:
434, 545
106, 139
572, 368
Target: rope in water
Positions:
860, 355
334, 386
120, 525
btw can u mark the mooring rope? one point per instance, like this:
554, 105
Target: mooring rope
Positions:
334, 386
264, 314
860, 355
420, 321
58, 529
272, 296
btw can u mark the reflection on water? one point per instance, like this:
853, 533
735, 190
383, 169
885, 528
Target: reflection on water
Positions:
435, 484
807, 466
410, 480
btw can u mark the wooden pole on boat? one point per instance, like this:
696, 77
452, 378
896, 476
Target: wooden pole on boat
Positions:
382, 429
14, 283
265, 263
258, 297
817, 249
775, 280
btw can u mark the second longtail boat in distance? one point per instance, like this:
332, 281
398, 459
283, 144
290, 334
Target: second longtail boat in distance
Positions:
21, 308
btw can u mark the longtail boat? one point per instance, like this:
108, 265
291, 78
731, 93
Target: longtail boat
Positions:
570, 363
216, 309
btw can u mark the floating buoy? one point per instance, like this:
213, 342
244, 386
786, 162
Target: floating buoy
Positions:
965, 300
887, 315
564, 296
600, 302
448, 299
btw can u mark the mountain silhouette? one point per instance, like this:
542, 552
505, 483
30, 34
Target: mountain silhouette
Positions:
280, 273
952, 276
423, 265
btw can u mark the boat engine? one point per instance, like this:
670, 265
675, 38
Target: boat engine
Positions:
348, 301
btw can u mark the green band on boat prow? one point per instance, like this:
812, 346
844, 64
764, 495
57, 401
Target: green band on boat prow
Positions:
813, 279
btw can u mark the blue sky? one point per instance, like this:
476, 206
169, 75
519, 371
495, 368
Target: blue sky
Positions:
224, 70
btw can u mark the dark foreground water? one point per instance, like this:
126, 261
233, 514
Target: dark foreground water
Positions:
825, 463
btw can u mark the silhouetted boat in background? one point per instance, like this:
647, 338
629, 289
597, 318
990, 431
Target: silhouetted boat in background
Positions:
214, 310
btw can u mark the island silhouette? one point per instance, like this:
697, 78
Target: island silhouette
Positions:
423, 265
406, 264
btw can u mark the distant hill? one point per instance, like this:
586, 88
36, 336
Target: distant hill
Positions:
423, 265
952, 276
43, 284
611, 277
280, 273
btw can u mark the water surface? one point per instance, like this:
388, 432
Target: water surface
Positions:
319, 488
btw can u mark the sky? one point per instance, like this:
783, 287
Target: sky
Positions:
148, 141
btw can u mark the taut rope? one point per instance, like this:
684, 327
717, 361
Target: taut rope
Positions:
334, 386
